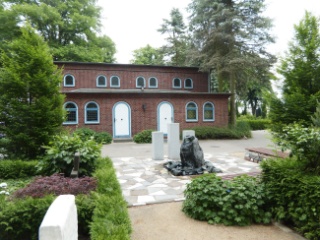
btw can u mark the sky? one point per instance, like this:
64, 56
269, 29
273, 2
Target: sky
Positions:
132, 24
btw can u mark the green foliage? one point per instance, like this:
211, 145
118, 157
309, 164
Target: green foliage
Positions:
242, 129
241, 201
148, 56
143, 137
304, 144
20, 219
294, 195
30, 99
60, 155
87, 133
15, 169
77, 23
101, 215
254, 123
110, 217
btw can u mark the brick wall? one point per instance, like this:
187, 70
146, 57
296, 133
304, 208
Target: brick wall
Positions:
140, 119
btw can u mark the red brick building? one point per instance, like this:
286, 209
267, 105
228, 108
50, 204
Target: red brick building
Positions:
124, 99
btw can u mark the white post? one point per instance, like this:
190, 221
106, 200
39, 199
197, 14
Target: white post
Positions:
157, 146
188, 132
61, 220
173, 141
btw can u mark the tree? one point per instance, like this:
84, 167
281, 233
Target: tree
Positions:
229, 38
69, 27
176, 49
301, 71
147, 55
30, 99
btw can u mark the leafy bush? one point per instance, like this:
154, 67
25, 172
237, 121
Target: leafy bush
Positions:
110, 220
254, 123
241, 201
304, 143
60, 155
87, 134
101, 215
143, 137
57, 185
103, 137
14, 169
20, 219
239, 131
295, 195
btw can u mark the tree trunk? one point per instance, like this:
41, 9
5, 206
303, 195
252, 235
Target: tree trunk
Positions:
232, 99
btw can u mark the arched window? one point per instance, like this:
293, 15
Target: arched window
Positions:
153, 82
208, 112
191, 112
101, 81
92, 113
188, 83
68, 80
72, 113
114, 81
140, 82
176, 83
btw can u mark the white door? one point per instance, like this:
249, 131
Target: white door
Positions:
165, 116
121, 120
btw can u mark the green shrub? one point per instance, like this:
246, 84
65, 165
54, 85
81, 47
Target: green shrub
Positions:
84, 133
143, 137
254, 122
103, 137
60, 155
295, 195
241, 201
14, 169
110, 217
87, 134
304, 144
239, 131
20, 219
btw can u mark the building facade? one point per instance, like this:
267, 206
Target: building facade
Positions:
124, 99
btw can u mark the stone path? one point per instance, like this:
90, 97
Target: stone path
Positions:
146, 181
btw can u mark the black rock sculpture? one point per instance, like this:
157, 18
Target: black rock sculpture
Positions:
192, 160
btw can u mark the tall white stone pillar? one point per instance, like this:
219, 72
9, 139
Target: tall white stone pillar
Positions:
157, 146
173, 141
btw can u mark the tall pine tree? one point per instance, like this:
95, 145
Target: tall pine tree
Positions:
30, 99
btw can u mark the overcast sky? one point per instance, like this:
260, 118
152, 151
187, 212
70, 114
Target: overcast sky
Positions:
133, 24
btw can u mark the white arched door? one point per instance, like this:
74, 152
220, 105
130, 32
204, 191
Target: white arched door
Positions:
165, 116
121, 120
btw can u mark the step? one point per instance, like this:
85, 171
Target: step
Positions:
119, 140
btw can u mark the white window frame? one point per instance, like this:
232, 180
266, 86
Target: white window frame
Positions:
105, 81
86, 121
173, 86
114, 86
69, 85
213, 112
156, 86
76, 111
144, 82
185, 86
188, 109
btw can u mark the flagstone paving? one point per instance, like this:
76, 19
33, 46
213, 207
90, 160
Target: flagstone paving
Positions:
145, 181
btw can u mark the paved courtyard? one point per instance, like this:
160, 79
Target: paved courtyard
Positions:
145, 181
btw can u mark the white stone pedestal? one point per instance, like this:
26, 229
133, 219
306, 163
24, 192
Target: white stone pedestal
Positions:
157, 146
173, 141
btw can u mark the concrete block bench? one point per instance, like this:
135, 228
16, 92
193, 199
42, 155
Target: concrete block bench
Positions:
259, 154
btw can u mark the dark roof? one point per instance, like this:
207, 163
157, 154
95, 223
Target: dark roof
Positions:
123, 65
